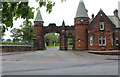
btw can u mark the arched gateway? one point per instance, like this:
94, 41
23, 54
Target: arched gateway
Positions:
40, 31
86, 33
64, 31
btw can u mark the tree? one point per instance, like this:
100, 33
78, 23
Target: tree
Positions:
3, 40
48, 4
15, 10
8, 40
51, 39
14, 35
2, 34
25, 33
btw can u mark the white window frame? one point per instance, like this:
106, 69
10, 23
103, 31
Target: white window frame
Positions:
105, 41
117, 39
103, 26
91, 40
111, 41
79, 42
100, 38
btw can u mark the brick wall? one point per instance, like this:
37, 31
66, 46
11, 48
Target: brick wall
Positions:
80, 33
108, 32
16, 48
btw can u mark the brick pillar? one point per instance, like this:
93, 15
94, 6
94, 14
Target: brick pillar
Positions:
73, 44
62, 42
39, 35
40, 43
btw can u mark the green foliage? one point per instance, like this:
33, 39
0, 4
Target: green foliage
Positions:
8, 40
52, 46
70, 43
52, 39
15, 10
15, 45
25, 33
2, 34
14, 35
48, 4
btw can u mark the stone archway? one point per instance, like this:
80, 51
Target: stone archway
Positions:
40, 31
52, 39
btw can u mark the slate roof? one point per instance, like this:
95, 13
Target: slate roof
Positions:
115, 20
81, 11
38, 16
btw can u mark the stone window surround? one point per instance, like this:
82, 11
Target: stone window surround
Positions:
102, 38
117, 40
101, 24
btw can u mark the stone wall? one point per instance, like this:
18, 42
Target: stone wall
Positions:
16, 48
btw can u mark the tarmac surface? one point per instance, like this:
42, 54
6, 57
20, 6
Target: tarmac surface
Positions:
55, 62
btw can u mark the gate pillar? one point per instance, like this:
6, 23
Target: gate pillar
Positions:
63, 42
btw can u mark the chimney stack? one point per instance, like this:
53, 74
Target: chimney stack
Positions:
116, 13
92, 16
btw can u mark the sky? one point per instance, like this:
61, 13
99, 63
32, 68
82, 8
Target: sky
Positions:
67, 10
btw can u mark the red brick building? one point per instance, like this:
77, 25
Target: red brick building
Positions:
102, 32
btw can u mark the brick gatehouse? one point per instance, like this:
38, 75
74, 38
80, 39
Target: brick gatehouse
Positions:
101, 32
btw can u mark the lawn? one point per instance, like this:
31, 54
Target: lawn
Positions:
52, 46
69, 46
16, 45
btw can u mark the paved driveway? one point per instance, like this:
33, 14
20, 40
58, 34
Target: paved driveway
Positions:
55, 62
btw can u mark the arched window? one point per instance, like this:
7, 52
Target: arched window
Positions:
101, 25
91, 40
79, 42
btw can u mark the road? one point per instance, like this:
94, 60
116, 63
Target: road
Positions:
55, 62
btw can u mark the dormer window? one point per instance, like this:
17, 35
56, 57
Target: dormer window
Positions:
101, 25
81, 20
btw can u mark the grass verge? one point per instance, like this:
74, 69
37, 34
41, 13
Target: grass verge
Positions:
16, 45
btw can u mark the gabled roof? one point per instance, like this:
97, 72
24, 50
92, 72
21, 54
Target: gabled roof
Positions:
38, 16
97, 17
115, 20
81, 11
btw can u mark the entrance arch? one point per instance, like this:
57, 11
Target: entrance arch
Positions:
52, 39
40, 31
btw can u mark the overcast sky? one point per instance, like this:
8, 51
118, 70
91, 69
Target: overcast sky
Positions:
67, 10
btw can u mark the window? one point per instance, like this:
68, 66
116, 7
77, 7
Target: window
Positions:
100, 40
79, 42
101, 26
104, 41
91, 40
76, 21
81, 20
111, 41
117, 41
